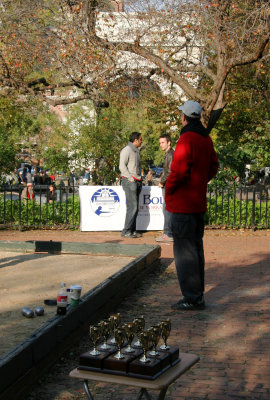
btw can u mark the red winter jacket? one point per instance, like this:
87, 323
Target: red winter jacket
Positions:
194, 164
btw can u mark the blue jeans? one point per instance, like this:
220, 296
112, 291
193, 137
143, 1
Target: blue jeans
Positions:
167, 217
187, 231
132, 191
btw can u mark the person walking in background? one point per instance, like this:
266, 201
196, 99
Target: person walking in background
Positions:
165, 145
23, 176
51, 193
194, 164
149, 177
52, 177
131, 180
29, 180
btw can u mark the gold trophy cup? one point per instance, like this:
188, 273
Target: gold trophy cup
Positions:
130, 333
115, 321
105, 332
139, 327
165, 332
155, 333
120, 336
145, 340
94, 332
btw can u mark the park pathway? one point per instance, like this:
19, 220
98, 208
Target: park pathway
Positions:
231, 336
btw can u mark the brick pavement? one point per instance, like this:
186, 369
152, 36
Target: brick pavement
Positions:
231, 335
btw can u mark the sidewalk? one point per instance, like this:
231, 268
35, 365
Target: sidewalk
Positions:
231, 335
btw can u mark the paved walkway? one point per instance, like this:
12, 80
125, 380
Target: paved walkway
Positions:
231, 335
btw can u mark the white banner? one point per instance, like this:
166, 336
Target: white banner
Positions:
103, 208
150, 215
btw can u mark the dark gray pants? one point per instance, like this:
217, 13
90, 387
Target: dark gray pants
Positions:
187, 231
132, 191
167, 217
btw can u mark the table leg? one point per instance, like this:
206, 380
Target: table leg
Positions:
162, 394
143, 392
87, 391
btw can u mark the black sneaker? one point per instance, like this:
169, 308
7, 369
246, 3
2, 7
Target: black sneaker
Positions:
133, 235
123, 234
183, 305
137, 234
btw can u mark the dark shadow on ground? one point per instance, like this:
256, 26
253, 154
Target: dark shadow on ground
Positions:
14, 260
231, 336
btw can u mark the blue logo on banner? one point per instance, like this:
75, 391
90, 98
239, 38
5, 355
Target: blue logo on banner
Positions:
105, 202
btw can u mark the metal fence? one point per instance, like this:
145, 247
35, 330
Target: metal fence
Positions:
228, 206
238, 206
40, 207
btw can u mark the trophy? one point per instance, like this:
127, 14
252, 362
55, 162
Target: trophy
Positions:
139, 327
155, 332
94, 332
120, 336
165, 332
130, 333
105, 333
145, 339
115, 321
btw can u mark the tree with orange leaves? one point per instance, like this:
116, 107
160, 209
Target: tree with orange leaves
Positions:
84, 45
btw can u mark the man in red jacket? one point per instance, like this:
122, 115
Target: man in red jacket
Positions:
194, 164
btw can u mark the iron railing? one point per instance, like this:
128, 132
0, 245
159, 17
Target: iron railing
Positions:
238, 206
228, 206
21, 206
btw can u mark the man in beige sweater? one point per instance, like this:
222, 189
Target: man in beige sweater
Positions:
131, 181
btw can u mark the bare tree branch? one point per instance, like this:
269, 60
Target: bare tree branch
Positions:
194, 45
253, 57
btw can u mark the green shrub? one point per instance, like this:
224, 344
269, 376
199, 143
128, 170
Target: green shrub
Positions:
223, 210
230, 211
30, 213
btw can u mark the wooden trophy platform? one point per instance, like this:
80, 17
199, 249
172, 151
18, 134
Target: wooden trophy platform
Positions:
112, 364
163, 357
95, 362
173, 352
131, 364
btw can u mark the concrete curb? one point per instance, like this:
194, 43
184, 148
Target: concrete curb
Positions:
24, 364
75, 247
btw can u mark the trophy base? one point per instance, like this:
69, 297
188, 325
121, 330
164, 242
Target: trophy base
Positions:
131, 365
136, 344
112, 342
113, 364
136, 353
111, 350
173, 353
150, 369
88, 360
164, 359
